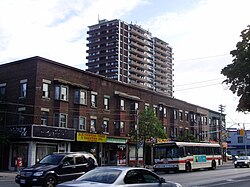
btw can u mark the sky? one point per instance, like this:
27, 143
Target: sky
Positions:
201, 32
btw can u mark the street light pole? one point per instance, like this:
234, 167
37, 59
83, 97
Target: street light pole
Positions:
137, 139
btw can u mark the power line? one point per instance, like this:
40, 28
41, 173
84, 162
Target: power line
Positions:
198, 87
187, 84
200, 58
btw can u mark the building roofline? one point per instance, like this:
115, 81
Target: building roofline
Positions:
37, 58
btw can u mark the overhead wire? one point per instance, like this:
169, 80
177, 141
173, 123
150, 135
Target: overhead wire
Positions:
199, 82
200, 58
198, 87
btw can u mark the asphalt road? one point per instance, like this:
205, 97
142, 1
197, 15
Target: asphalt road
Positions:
223, 176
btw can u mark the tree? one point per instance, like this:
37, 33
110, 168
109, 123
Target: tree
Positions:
149, 128
187, 137
237, 73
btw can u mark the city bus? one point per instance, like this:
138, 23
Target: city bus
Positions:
186, 156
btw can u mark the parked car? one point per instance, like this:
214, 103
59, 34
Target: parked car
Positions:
242, 161
55, 168
120, 177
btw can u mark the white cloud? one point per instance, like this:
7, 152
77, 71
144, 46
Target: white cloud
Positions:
205, 34
54, 29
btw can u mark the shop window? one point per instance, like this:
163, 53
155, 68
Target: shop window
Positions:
43, 150
20, 150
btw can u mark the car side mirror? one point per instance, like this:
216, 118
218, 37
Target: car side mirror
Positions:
162, 180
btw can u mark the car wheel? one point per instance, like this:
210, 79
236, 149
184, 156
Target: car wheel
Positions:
50, 181
235, 166
248, 165
188, 167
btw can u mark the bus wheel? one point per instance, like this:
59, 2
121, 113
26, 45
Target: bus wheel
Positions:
213, 167
188, 167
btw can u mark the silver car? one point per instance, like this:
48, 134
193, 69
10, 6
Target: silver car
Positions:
119, 176
242, 161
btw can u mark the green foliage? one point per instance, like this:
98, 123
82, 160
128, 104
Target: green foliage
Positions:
237, 73
150, 125
187, 137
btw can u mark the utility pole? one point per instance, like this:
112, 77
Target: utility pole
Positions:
221, 110
137, 138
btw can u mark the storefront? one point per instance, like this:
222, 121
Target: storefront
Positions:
108, 150
33, 142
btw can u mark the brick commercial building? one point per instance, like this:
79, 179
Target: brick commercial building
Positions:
49, 106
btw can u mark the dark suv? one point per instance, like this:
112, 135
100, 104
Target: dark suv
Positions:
56, 168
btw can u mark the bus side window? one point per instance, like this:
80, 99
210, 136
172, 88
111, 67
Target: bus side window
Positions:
181, 152
189, 151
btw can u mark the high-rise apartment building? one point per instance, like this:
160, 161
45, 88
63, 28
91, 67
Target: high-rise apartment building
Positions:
130, 54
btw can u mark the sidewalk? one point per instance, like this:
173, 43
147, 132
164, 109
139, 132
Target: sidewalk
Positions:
7, 174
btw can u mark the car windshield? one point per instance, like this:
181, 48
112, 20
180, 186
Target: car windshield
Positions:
107, 176
52, 159
243, 158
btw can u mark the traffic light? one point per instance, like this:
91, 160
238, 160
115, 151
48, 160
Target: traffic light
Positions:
242, 132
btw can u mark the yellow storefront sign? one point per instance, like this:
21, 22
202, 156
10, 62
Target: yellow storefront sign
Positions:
86, 137
160, 140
